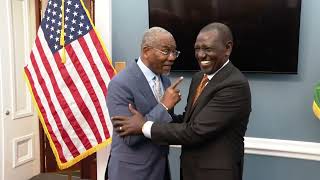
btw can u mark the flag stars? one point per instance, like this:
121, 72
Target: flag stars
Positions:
75, 22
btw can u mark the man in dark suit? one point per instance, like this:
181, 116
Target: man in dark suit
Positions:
143, 84
216, 116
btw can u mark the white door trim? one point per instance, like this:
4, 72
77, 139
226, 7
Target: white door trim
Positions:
1, 124
103, 22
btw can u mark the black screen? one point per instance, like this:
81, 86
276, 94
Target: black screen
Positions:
266, 32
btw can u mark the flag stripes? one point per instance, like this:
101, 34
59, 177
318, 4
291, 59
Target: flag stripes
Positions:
35, 89
85, 62
102, 55
59, 100
94, 68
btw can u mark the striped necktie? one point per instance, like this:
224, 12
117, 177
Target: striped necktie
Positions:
200, 88
157, 88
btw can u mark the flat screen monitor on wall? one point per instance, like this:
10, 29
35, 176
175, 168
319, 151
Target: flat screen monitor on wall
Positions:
266, 32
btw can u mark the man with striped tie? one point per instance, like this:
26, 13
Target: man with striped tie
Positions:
144, 85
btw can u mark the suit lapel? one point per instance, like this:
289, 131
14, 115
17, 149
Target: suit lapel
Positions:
192, 92
207, 92
142, 83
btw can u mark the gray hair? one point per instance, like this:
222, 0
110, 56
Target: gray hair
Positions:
150, 37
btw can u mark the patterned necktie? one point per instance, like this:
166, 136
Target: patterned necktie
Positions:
200, 88
157, 88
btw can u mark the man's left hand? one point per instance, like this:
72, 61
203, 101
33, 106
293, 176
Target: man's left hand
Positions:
126, 126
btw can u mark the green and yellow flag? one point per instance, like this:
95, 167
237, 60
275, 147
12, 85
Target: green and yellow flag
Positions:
316, 101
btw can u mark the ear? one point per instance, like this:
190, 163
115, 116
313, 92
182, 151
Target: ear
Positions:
145, 52
229, 45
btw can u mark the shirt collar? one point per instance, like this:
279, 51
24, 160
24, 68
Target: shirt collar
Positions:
210, 76
145, 70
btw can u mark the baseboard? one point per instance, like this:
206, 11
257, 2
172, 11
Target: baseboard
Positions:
280, 148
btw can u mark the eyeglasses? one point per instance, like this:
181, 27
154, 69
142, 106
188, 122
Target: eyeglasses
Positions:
174, 53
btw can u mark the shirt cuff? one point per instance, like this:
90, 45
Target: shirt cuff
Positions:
146, 129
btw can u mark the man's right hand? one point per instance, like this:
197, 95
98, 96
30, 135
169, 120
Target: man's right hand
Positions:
172, 94
131, 125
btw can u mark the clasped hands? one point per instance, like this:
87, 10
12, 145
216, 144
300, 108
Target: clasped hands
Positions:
132, 125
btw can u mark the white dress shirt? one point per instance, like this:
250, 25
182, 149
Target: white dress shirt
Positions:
149, 76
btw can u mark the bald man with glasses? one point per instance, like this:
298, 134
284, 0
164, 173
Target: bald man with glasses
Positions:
145, 85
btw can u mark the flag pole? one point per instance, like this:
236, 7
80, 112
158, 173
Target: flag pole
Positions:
62, 43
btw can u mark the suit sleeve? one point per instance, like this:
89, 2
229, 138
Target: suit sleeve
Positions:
227, 106
118, 99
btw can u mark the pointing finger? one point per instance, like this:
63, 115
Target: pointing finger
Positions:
177, 82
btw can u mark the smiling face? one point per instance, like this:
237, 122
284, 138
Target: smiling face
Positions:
158, 56
211, 51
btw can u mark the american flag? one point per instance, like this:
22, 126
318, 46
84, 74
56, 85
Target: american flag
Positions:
70, 96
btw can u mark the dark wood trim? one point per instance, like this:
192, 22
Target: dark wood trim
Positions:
42, 148
41, 132
38, 13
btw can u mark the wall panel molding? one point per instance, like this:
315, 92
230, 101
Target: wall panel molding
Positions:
23, 150
22, 105
280, 148
283, 148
